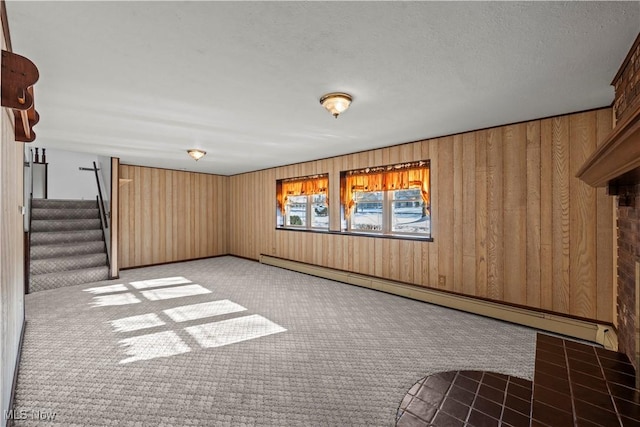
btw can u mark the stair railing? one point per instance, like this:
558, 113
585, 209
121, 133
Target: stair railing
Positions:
103, 213
29, 164
27, 223
104, 217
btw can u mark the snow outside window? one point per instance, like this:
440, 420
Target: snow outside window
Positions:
390, 212
307, 211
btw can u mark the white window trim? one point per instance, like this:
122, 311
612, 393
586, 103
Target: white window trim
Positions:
387, 216
308, 216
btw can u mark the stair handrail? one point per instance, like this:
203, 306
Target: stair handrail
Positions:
103, 213
104, 228
28, 211
104, 221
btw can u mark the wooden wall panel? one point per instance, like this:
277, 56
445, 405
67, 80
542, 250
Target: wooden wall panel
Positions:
469, 214
457, 168
480, 213
546, 213
510, 221
11, 245
582, 222
435, 215
605, 221
115, 218
560, 212
11, 253
495, 215
168, 216
533, 213
445, 174
514, 213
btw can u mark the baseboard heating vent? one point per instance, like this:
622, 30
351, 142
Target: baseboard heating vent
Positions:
586, 330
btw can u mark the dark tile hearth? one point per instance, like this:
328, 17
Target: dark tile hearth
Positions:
467, 398
589, 378
574, 384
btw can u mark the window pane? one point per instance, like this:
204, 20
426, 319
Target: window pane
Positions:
367, 212
368, 196
412, 193
296, 211
319, 211
408, 213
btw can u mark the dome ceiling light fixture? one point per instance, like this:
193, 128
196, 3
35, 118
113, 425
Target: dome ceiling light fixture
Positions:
336, 102
196, 154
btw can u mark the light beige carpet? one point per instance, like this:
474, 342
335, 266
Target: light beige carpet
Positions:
230, 342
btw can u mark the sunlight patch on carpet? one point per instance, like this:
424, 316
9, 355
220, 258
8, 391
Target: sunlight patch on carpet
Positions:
152, 346
106, 289
166, 281
232, 331
168, 343
135, 323
117, 299
174, 292
205, 309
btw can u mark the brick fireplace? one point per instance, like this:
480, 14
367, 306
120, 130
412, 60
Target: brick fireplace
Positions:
628, 265
616, 165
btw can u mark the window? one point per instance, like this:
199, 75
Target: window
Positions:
409, 213
389, 200
303, 203
367, 211
309, 211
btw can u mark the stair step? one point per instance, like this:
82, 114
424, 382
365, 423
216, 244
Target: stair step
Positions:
67, 249
61, 237
59, 213
63, 204
67, 245
42, 282
76, 262
65, 224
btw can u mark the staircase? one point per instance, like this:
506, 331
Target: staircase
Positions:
67, 245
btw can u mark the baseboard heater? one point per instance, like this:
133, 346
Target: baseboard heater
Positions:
592, 331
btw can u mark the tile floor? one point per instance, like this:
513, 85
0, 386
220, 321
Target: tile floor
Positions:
574, 384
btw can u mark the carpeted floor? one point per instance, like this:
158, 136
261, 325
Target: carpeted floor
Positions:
228, 342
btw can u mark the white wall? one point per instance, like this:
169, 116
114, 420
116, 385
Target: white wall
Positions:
104, 163
27, 187
66, 180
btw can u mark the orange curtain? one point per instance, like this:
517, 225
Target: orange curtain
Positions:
319, 185
393, 180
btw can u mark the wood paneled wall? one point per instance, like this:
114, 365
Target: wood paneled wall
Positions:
11, 243
510, 220
11, 253
168, 215
114, 212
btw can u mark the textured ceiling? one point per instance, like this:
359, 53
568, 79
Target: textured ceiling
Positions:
145, 81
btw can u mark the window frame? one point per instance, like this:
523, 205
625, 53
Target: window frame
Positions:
307, 187
389, 196
350, 227
391, 213
388, 199
308, 220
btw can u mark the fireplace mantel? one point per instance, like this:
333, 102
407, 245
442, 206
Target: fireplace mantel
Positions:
617, 161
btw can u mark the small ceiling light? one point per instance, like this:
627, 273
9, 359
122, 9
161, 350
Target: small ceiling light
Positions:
336, 102
196, 154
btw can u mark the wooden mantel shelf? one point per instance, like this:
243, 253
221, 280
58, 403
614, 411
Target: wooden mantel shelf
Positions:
618, 156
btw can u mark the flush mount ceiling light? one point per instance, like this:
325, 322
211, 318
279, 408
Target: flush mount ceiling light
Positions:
196, 154
336, 102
